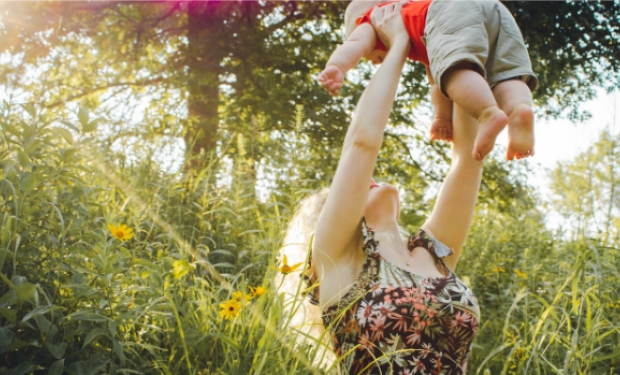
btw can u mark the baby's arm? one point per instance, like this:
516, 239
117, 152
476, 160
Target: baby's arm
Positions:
360, 43
441, 128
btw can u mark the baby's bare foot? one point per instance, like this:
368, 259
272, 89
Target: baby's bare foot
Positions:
492, 121
441, 129
520, 132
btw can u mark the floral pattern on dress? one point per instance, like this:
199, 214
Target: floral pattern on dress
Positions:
393, 321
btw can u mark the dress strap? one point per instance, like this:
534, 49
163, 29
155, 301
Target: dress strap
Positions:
437, 248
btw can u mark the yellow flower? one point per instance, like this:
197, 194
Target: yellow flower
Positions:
258, 291
239, 297
521, 274
498, 269
121, 231
285, 268
230, 309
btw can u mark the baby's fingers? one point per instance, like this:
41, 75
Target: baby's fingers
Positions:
324, 82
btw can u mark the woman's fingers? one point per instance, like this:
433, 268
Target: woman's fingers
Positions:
388, 23
377, 17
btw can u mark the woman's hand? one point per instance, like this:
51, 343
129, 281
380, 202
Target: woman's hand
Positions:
388, 23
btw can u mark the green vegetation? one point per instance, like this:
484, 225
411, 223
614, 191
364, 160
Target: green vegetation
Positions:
152, 154
177, 297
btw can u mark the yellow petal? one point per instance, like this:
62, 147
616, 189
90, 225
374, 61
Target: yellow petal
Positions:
294, 267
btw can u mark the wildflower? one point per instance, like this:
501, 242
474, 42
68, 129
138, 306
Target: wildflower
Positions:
230, 309
286, 268
240, 297
521, 274
498, 269
258, 291
121, 231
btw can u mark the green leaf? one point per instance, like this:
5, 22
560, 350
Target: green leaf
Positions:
83, 116
40, 310
10, 128
22, 369
18, 344
29, 108
58, 351
57, 367
94, 365
180, 268
18, 280
92, 335
78, 368
70, 125
112, 327
118, 350
9, 314
23, 157
67, 154
6, 280
44, 325
25, 291
6, 338
91, 126
29, 181
32, 147
87, 316
66, 135
8, 296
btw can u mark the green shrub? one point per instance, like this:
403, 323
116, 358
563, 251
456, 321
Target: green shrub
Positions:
74, 299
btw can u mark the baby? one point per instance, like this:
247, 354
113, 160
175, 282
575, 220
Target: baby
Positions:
474, 55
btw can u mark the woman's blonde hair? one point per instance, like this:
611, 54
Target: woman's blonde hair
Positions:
301, 317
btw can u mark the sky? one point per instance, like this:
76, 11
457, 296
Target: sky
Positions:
560, 140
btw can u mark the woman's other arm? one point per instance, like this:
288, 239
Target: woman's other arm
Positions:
451, 217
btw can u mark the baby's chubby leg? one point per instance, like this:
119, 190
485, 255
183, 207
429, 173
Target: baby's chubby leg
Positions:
468, 88
441, 128
515, 99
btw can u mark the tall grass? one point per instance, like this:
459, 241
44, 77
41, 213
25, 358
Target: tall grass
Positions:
77, 300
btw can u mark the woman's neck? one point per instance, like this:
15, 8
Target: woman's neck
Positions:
384, 224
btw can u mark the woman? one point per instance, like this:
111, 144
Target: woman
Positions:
395, 305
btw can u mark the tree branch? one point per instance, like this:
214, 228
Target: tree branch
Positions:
101, 88
413, 161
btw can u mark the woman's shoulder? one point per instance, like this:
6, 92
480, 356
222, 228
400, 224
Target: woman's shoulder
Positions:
424, 238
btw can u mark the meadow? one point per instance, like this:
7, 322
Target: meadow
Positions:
113, 265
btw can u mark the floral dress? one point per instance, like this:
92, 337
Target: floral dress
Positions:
393, 321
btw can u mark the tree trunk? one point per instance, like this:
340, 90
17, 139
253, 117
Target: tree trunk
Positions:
205, 51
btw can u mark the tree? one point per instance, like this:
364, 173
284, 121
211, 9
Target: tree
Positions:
213, 65
587, 190
220, 61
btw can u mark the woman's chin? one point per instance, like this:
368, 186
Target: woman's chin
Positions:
383, 201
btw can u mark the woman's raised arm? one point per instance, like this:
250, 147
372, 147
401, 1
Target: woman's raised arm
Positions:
338, 225
451, 217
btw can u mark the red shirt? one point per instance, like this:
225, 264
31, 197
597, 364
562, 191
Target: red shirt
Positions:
414, 18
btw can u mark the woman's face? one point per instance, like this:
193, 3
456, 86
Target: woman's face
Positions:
382, 200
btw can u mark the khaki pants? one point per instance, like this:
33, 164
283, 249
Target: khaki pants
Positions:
483, 33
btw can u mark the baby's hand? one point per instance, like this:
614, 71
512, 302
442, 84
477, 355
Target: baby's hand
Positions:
441, 129
331, 79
